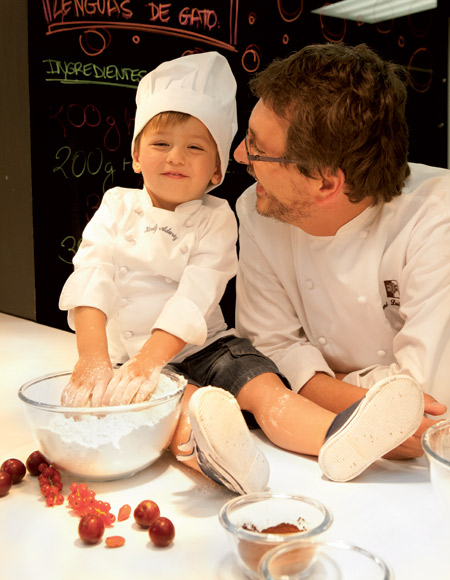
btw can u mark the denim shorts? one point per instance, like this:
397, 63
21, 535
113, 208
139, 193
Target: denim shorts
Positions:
228, 363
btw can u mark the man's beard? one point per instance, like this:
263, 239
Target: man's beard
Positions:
275, 209
292, 214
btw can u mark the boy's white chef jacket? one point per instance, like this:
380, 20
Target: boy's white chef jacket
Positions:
371, 301
149, 268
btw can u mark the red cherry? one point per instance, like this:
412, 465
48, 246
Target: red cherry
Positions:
91, 528
5, 482
33, 461
146, 512
162, 532
15, 468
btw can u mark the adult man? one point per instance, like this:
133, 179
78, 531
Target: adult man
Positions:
350, 281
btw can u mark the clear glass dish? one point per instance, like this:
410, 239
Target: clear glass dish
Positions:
436, 444
257, 522
316, 560
102, 443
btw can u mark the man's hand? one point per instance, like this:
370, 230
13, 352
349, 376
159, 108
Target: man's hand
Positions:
412, 447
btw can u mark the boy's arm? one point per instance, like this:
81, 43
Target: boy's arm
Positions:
93, 370
137, 378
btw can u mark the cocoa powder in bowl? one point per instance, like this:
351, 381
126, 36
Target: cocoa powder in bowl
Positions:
260, 521
251, 552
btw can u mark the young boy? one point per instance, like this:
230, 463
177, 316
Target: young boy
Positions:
149, 275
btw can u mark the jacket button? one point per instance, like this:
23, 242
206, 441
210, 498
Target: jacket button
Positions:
127, 334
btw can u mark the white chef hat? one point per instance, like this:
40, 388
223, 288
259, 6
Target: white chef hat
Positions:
201, 85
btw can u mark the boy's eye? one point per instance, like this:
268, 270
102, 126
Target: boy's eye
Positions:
160, 144
196, 147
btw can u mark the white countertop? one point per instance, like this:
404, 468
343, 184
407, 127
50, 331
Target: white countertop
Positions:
390, 510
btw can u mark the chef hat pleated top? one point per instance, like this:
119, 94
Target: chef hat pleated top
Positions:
201, 85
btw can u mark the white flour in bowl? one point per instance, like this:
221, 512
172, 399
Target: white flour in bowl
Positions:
114, 445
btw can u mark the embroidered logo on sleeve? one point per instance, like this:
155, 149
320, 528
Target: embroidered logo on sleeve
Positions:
392, 293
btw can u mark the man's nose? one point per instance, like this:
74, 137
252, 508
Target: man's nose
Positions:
240, 154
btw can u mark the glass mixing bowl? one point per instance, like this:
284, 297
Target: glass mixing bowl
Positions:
102, 443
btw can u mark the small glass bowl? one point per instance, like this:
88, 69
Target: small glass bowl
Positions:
101, 443
436, 444
258, 522
316, 560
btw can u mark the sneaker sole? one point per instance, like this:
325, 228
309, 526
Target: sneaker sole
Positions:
391, 411
225, 443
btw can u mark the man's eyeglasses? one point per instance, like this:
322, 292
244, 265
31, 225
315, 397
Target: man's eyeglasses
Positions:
251, 157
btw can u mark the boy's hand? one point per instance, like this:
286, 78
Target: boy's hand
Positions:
88, 382
133, 382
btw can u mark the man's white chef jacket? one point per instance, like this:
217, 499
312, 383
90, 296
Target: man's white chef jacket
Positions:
371, 301
149, 268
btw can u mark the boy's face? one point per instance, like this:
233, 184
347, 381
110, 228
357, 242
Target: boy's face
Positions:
178, 161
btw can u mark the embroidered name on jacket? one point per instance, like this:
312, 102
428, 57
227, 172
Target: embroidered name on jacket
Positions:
166, 229
392, 293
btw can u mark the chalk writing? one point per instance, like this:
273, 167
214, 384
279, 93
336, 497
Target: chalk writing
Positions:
195, 17
59, 9
95, 41
76, 164
90, 116
326, 24
420, 67
251, 58
97, 17
289, 16
70, 246
90, 73
92, 204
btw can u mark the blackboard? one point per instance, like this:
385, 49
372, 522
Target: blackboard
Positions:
86, 58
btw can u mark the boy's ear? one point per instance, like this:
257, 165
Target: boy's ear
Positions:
136, 165
217, 175
330, 186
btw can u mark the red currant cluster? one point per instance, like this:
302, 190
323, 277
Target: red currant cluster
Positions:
94, 514
50, 484
83, 502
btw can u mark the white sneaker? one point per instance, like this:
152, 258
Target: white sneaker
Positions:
224, 447
391, 411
